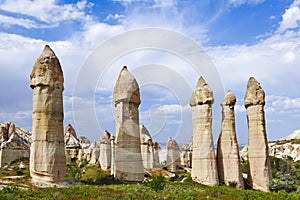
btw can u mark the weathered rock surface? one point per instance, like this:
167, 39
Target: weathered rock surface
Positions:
72, 144
95, 153
173, 155
146, 148
128, 158
105, 150
228, 157
260, 174
204, 165
47, 153
113, 152
16, 146
184, 156
156, 149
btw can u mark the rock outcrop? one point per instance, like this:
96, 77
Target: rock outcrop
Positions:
72, 143
260, 174
47, 153
173, 155
204, 166
156, 149
184, 156
128, 158
95, 153
146, 148
105, 150
14, 147
228, 157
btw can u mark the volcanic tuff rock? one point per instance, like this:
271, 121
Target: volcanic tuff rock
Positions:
260, 174
228, 157
173, 155
146, 148
204, 165
16, 146
47, 153
128, 159
105, 150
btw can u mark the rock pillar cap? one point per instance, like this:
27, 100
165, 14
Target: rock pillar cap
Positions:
47, 71
229, 99
255, 95
202, 94
126, 88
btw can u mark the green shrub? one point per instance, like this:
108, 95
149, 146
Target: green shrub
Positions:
156, 183
232, 184
286, 183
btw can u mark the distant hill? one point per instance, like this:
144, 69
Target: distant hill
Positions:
294, 135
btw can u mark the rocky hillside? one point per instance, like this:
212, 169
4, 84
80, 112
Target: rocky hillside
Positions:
286, 147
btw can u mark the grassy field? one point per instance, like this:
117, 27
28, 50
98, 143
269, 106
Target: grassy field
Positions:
98, 184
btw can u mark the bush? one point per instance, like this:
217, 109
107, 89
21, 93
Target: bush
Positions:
286, 183
156, 183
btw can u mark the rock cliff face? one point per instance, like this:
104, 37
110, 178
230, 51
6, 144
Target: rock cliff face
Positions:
47, 153
228, 157
260, 174
128, 159
204, 165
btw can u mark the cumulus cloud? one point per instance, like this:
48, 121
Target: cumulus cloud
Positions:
40, 13
291, 17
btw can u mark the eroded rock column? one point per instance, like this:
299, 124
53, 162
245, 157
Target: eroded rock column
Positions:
105, 151
128, 158
228, 156
204, 167
146, 147
47, 153
156, 149
260, 174
173, 155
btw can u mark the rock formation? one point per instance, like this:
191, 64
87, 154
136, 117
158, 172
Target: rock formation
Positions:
105, 151
228, 157
71, 143
128, 158
204, 167
173, 155
184, 156
259, 163
112, 142
15, 147
95, 153
156, 149
146, 148
47, 153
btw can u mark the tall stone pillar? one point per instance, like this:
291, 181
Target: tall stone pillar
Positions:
47, 153
128, 158
156, 149
112, 167
146, 147
228, 156
173, 155
260, 174
204, 167
105, 151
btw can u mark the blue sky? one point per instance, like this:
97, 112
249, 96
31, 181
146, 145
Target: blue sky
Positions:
243, 38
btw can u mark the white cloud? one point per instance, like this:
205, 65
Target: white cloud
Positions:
241, 2
290, 18
43, 12
283, 104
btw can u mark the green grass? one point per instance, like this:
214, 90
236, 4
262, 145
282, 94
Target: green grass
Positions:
97, 184
174, 190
